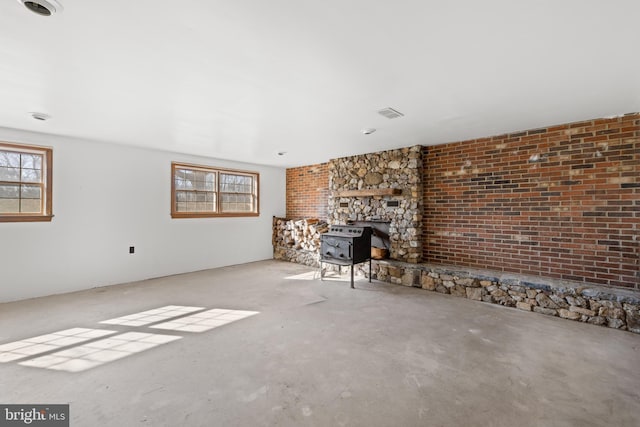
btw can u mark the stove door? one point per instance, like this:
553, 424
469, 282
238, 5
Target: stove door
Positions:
336, 248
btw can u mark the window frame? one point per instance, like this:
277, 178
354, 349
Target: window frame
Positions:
217, 191
46, 183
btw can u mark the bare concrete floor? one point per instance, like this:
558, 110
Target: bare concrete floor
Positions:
321, 354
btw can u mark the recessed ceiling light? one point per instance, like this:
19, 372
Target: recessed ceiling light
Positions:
368, 131
42, 7
40, 116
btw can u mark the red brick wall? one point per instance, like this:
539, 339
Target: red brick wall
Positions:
308, 191
562, 201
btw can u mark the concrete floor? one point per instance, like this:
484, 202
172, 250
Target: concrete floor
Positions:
321, 354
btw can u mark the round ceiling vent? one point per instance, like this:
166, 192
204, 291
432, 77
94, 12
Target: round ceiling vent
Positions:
40, 116
42, 7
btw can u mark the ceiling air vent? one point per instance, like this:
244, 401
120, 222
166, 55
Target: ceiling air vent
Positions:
390, 113
40, 116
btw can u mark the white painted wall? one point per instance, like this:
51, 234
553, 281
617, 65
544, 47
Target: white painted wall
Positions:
107, 197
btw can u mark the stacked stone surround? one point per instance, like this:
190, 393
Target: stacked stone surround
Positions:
400, 169
597, 305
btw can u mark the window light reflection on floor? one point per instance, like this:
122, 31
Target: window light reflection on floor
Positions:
204, 321
96, 353
49, 342
311, 275
79, 349
152, 316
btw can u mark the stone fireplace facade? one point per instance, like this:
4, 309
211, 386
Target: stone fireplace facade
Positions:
382, 186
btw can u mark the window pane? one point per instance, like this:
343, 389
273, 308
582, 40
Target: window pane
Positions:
195, 201
9, 159
235, 183
237, 203
8, 206
210, 180
30, 206
9, 191
31, 175
30, 192
184, 179
204, 181
32, 161
198, 180
180, 183
9, 174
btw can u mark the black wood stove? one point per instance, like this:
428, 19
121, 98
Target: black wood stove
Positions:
346, 245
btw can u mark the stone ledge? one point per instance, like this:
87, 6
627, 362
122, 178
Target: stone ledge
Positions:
547, 284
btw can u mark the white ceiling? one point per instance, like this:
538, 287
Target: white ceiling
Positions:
245, 79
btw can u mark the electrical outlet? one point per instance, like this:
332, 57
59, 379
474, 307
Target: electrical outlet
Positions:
132, 249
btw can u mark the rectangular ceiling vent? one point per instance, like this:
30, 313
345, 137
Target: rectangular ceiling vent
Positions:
390, 113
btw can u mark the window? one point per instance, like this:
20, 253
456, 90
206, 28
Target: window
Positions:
25, 183
202, 191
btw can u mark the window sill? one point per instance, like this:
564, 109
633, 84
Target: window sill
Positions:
26, 218
220, 215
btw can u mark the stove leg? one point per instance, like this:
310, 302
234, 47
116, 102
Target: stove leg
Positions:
321, 275
369, 270
352, 287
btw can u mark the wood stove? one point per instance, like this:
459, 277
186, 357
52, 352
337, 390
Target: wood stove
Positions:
345, 245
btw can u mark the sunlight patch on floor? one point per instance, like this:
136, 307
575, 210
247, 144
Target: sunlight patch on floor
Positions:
79, 349
311, 275
328, 276
204, 321
99, 352
152, 316
49, 342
